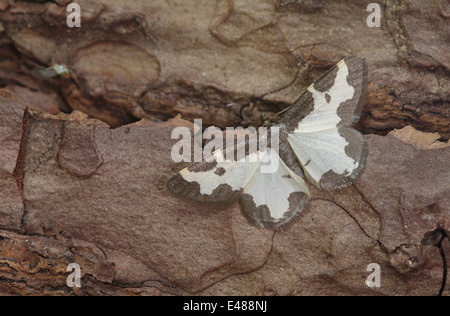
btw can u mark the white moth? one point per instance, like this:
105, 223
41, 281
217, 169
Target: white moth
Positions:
316, 140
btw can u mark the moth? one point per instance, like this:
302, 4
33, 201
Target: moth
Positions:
316, 142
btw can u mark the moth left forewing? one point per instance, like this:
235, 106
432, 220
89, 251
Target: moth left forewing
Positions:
331, 153
219, 179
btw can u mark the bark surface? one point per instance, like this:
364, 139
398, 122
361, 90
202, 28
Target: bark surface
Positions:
75, 190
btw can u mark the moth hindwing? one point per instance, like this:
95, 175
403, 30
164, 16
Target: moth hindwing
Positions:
315, 136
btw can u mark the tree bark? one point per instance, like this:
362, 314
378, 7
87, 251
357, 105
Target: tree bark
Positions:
73, 190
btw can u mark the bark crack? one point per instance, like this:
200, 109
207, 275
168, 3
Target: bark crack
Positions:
436, 238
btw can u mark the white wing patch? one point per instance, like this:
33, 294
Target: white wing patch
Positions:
235, 174
325, 114
273, 189
321, 152
316, 141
